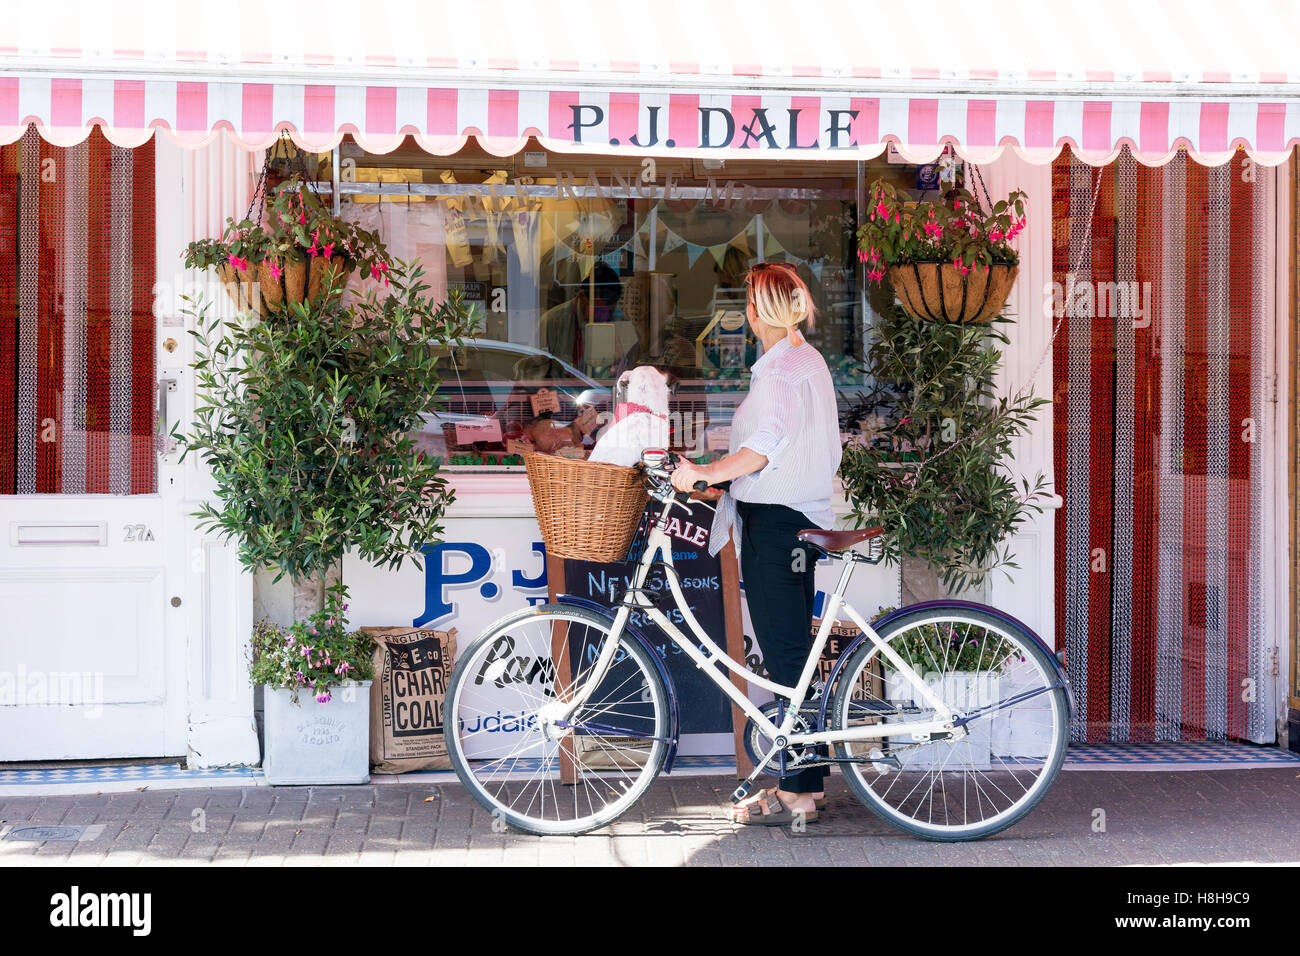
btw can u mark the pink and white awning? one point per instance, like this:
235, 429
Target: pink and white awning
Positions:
841, 80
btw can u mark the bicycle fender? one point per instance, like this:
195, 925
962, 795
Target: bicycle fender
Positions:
925, 605
587, 604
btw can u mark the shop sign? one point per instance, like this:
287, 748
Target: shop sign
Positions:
717, 127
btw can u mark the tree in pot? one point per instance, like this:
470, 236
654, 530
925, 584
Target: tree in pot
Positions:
305, 422
931, 465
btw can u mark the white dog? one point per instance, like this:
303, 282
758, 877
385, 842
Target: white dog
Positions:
640, 418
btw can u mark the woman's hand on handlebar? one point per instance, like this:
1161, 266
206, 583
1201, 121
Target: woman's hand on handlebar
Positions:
686, 475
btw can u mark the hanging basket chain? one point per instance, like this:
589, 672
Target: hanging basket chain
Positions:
279, 150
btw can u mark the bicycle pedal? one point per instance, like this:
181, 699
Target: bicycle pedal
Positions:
741, 792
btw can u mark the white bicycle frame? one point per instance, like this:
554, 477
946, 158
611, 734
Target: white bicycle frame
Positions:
657, 542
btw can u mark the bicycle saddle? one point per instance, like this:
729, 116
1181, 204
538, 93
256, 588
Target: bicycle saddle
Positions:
837, 540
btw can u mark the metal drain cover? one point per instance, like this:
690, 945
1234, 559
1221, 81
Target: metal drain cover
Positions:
46, 834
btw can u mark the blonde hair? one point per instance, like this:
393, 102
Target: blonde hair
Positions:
780, 297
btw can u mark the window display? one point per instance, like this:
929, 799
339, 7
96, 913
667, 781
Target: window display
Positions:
582, 268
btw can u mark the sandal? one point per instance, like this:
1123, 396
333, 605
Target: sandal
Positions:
774, 814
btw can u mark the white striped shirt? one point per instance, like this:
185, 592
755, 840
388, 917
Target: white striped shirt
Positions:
790, 417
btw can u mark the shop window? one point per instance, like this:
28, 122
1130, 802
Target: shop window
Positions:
580, 267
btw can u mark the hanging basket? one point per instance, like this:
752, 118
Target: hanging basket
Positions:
298, 279
241, 285
938, 292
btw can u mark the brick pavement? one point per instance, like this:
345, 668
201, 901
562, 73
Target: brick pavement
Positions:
1150, 818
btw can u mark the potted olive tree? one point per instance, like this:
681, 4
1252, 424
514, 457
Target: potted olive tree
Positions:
930, 463
305, 421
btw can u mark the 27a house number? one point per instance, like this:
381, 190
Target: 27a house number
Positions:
137, 533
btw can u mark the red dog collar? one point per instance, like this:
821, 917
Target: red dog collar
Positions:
624, 409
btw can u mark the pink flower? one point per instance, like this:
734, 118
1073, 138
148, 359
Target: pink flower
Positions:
239, 263
302, 220
881, 210
328, 250
276, 271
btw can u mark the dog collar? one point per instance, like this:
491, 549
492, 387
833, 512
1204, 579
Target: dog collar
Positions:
624, 409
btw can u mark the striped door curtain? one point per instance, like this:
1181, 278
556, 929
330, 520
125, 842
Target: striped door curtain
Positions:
76, 318
1159, 280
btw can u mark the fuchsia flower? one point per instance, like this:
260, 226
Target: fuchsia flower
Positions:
276, 271
328, 250
239, 263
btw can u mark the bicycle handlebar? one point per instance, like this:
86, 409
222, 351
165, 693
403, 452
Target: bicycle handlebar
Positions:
683, 496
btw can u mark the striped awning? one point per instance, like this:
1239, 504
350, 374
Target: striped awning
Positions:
831, 79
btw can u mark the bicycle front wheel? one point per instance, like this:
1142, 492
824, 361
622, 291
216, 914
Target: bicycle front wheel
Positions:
987, 774
531, 770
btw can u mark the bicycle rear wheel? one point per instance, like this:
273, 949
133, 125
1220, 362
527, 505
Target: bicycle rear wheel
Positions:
531, 772
959, 786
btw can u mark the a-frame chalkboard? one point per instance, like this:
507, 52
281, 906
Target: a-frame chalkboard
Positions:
711, 585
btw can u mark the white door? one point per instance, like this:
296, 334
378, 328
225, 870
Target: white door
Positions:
92, 568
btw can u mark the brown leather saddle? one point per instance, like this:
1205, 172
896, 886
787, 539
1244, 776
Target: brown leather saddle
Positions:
837, 541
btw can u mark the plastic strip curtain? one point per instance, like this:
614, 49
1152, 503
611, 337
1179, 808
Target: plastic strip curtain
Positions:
76, 318
1158, 397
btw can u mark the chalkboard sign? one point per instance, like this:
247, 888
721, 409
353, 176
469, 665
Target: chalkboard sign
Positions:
703, 708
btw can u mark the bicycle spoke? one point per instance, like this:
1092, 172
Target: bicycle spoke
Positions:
587, 768
987, 771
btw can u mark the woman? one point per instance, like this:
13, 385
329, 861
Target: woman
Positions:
787, 450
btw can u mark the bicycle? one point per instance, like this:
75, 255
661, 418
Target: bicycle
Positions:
590, 718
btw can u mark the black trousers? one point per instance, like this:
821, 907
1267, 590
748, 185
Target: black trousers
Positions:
779, 573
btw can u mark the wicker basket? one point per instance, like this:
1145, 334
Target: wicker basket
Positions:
586, 510
940, 293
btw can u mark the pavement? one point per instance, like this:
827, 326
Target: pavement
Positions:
1229, 816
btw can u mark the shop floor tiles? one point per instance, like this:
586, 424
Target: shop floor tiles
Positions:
122, 777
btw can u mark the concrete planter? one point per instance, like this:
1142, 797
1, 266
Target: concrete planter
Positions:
964, 690
311, 743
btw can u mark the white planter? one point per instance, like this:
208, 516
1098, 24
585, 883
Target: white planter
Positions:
312, 743
962, 690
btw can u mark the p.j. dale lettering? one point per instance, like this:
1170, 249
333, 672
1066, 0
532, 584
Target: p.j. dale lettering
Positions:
758, 127
499, 723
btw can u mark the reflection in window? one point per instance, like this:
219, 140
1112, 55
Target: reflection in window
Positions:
591, 266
